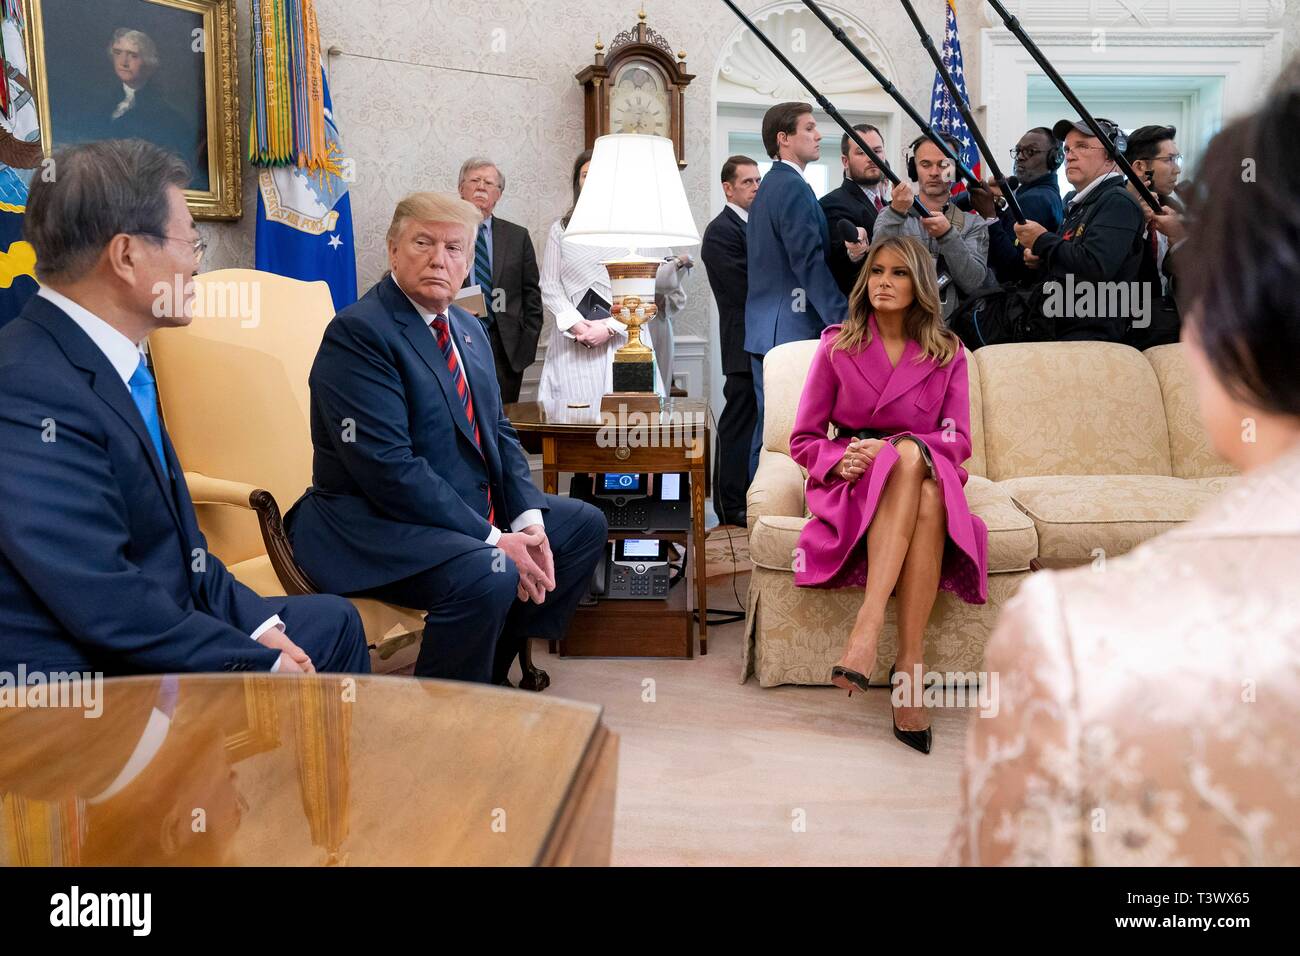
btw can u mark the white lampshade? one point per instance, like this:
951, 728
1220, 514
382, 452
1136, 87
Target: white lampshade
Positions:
633, 196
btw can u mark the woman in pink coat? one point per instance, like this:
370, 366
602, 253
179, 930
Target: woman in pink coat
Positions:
885, 493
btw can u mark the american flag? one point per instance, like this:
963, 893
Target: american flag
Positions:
944, 115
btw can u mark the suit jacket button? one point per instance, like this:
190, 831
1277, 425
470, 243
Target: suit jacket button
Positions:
482, 486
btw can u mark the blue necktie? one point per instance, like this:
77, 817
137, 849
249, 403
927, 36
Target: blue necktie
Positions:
483, 270
145, 395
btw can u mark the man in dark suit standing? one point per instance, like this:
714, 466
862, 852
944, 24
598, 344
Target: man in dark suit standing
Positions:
858, 200
792, 294
421, 494
723, 252
504, 267
102, 564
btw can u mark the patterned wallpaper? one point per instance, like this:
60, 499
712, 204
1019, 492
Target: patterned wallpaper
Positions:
422, 84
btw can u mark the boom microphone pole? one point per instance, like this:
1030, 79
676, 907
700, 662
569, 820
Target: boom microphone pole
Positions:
1045, 65
926, 128
826, 105
962, 108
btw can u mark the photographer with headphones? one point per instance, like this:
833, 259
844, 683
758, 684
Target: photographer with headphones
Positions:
957, 240
1036, 157
1101, 238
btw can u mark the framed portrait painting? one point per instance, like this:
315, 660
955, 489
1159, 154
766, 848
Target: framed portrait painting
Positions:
158, 70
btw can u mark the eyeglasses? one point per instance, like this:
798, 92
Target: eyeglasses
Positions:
199, 246
1025, 152
1176, 159
1081, 148
483, 181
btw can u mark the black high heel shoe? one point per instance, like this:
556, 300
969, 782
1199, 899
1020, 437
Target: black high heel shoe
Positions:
916, 739
849, 677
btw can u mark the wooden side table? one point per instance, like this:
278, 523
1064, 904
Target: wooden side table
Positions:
674, 440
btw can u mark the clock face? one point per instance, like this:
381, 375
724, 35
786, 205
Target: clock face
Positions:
638, 100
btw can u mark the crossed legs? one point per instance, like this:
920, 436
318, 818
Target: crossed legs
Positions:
905, 543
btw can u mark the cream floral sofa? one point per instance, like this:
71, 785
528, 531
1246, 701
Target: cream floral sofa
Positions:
1081, 450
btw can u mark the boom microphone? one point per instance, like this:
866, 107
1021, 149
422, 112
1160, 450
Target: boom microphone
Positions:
847, 231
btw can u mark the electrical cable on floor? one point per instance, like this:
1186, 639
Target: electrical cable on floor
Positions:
730, 616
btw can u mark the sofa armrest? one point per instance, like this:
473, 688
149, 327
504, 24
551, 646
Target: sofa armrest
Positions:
206, 490
777, 488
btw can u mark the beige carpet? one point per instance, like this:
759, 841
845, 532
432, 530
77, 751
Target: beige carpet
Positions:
713, 772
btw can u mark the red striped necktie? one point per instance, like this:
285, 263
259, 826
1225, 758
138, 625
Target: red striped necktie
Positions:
443, 334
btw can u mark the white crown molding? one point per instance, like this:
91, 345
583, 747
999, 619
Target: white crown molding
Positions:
1145, 14
1132, 38
798, 34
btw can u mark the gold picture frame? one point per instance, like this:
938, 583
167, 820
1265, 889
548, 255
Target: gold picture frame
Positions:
219, 138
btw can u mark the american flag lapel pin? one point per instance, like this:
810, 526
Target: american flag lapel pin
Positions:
467, 339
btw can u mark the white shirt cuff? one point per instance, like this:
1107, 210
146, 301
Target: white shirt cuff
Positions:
616, 326
530, 517
493, 536
275, 668
566, 319
270, 622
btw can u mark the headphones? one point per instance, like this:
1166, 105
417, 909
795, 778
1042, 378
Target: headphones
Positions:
1117, 135
910, 155
1055, 156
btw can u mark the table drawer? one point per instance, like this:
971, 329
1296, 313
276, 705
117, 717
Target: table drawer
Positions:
579, 453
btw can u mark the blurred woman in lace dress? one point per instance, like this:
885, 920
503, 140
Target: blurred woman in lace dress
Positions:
1150, 712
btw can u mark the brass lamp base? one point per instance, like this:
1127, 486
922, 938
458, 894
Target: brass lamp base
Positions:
633, 375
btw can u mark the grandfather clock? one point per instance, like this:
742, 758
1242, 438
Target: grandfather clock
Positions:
638, 87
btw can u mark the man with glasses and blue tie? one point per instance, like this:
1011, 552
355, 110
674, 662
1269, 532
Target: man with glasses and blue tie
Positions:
102, 564
505, 270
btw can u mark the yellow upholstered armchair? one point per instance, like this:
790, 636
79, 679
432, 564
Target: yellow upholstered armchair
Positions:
233, 390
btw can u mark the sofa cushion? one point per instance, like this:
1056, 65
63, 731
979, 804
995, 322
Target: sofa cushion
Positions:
785, 369
1216, 485
1075, 515
1071, 408
1013, 542
976, 464
1191, 453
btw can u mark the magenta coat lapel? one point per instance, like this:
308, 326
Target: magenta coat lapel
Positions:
891, 381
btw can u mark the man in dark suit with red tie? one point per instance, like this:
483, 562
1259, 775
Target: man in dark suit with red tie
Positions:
858, 200
421, 494
725, 259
